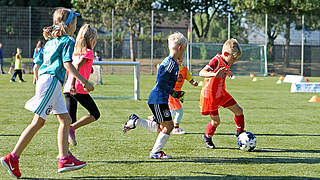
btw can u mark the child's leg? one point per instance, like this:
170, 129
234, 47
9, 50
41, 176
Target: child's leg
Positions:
212, 125
20, 75
65, 121
72, 106
28, 134
238, 116
87, 102
14, 75
178, 116
166, 128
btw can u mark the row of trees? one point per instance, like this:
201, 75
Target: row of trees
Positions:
131, 15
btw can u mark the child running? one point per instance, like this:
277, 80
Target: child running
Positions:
214, 94
158, 99
17, 67
174, 103
74, 91
55, 58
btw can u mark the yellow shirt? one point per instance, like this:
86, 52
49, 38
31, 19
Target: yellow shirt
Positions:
18, 62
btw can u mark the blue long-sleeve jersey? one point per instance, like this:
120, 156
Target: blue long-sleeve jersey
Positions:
166, 79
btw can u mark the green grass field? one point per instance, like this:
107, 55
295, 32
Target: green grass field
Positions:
286, 126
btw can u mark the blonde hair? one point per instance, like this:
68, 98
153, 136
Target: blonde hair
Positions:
232, 47
84, 39
59, 28
176, 39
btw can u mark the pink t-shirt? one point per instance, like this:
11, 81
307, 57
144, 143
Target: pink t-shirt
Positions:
85, 71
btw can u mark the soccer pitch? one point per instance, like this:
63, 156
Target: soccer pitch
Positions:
286, 126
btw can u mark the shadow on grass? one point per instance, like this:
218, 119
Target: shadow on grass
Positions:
226, 160
230, 134
9, 134
205, 175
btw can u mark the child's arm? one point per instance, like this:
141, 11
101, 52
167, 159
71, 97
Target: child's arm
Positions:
206, 72
193, 82
35, 73
69, 67
73, 82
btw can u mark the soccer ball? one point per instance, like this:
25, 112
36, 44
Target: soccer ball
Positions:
247, 141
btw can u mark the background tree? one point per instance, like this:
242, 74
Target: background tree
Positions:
129, 15
288, 10
36, 3
203, 12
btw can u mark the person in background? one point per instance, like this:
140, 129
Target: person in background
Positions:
1, 59
17, 67
36, 53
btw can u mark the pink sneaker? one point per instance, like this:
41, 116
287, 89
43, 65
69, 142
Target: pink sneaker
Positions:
70, 163
72, 136
11, 165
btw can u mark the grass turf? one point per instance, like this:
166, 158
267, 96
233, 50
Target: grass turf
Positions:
286, 126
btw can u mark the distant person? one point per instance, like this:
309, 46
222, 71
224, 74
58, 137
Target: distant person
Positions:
12, 60
97, 56
74, 91
214, 94
97, 69
36, 53
17, 67
1, 59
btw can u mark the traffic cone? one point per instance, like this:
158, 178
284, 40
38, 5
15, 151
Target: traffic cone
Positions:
314, 99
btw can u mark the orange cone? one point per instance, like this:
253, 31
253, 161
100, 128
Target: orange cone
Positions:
314, 99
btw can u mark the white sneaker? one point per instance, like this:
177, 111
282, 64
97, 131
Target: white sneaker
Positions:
178, 131
131, 123
159, 155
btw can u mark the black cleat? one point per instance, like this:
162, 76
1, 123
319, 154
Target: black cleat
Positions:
208, 142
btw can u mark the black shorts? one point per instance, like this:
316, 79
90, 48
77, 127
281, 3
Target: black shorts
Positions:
161, 112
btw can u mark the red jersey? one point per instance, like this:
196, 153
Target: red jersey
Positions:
213, 92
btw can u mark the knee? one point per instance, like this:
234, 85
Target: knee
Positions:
38, 124
168, 127
215, 122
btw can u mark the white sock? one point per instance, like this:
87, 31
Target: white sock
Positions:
160, 142
147, 124
178, 115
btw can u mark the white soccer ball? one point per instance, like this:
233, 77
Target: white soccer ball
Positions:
247, 141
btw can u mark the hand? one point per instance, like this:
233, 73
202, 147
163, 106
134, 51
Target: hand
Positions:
177, 94
73, 90
181, 99
195, 83
229, 74
88, 87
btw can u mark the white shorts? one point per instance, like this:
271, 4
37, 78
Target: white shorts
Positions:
48, 98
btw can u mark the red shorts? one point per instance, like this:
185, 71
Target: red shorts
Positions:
231, 102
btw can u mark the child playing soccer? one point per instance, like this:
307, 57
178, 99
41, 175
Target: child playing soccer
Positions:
17, 67
213, 94
55, 58
158, 99
174, 103
73, 90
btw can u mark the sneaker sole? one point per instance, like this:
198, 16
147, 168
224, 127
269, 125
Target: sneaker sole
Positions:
3, 162
66, 169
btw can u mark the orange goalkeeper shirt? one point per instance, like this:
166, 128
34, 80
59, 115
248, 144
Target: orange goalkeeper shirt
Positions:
184, 74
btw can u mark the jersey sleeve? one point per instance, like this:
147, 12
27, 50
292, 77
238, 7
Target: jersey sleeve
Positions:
213, 63
188, 76
67, 51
